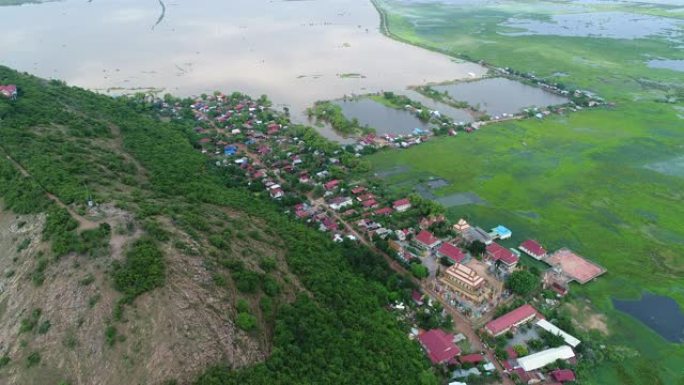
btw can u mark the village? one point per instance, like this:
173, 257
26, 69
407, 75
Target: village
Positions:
465, 312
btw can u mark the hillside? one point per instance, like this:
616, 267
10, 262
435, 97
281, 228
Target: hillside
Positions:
129, 258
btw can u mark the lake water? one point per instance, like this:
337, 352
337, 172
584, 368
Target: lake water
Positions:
384, 119
496, 96
676, 65
662, 314
297, 52
613, 25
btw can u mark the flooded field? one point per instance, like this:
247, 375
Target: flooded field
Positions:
296, 52
662, 314
613, 25
676, 65
457, 114
497, 96
384, 119
673, 167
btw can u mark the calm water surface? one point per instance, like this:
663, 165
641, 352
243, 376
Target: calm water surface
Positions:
662, 314
500, 95
384, 119
297, 52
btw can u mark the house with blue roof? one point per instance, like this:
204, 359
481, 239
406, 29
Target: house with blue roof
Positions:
230, 150
501, 232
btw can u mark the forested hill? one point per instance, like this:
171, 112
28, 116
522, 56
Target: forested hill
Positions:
177, 273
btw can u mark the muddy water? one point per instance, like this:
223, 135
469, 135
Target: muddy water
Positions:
497, 96
297, 52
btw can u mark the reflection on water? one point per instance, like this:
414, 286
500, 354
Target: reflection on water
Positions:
297, 52
384, 119
662, 314
497, 96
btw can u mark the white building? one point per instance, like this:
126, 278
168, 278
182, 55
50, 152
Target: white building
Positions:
553, 329
546, 357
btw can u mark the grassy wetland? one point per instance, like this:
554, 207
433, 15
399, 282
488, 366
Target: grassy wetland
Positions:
607, 182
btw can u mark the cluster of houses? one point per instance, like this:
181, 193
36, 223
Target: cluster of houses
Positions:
247, 135
531, 368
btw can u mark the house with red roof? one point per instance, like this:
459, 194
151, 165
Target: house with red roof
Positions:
439, 346
563, 375
332, 185
533, 249
370, 204
512, 319
417, 298
8, 91
329, 224
358, 190
383, 211
401, 205
474, 358
277, 193
426, 240
365, 197
451, 252
508, 259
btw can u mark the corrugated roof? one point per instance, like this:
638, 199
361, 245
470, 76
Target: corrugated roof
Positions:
546, 357
553, 329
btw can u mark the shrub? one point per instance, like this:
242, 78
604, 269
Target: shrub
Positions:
270, 286
268, 264
143, 270
246, 281
33, 359
110, 335
242, 306
23, 245
29, 323
44, 327
246, 321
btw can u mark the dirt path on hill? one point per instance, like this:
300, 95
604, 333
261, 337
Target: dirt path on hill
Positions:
83, 223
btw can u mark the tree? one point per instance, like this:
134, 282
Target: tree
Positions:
523, 283
419, 271
476, 248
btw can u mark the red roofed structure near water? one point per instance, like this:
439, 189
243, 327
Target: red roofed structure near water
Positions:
514, 318
496, 252
439, 346
533, 249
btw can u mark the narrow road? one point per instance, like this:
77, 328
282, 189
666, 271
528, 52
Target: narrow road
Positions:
83, 223
462, 324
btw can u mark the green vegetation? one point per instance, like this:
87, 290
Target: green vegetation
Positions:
332, 113
32, 359
604, 182
142, 271
523, 283
111, 335
341, 315
29, 323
